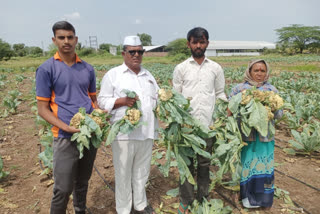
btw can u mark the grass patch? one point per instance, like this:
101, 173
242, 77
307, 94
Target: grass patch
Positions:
309, 67
15, 167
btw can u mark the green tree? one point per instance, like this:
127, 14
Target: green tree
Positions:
52, 49
5, 50
79, 46
34, 51
19, 49
145, 39
299, 37
178, 46
105, 47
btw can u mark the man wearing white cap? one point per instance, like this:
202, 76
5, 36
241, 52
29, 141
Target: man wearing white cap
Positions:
131, 152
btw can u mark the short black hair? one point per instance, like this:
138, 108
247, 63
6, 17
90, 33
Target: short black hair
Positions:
198, 33
62, 25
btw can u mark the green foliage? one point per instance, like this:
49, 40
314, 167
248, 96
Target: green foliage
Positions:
228, 143
90, 131
214, 206
308, 140
105, 47
34, 51
46, 156
19, 49
52, 49
86, 52
124, 125
182, 134
5, 50
299, 37
11, 102
283, 194
79, 46
145, 39
22, 50
161, 72
3, 173
179, 57
178, 46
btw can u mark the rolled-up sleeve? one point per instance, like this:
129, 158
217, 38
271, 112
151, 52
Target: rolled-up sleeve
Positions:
177, 80
219, 85
106, 97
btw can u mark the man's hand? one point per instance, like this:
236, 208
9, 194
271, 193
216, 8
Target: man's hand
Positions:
72, 129
127, 101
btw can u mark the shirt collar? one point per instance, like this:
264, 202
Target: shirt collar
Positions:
191, 59
57, 57
125, 68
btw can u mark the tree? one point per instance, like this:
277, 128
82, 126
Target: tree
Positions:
145, 39
34, 51
52, 49
19, 49
299, 37
5, 50
105, 47
178, 46
79, 46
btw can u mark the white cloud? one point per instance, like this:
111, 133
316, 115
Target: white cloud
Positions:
138, 21
72, 16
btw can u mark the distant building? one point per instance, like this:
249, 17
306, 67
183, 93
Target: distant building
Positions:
155, 50
113, 50
237, 48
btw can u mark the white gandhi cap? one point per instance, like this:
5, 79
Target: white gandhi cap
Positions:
132, 41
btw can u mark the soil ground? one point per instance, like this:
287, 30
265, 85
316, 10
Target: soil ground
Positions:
25, 191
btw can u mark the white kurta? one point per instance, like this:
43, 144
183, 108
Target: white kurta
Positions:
203, 83
144, 84
131, 153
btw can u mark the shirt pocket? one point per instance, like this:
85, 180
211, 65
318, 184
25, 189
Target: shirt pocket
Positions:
151, 94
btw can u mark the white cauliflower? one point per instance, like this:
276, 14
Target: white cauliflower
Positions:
165, 94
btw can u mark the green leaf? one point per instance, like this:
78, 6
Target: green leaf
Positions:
114, 130
184, 170
129, 93
82, 111
222, 149
85, 131
126, 128
173, 112
173, 192
259, 118
234, 103
289, 151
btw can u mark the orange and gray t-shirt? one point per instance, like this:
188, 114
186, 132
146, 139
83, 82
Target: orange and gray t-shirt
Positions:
66, 88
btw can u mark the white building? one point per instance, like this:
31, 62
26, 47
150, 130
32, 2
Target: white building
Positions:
237, 48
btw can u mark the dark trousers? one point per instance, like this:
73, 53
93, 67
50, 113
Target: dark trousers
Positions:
186, 189
71, 174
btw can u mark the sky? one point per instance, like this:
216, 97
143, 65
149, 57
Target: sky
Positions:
30, 22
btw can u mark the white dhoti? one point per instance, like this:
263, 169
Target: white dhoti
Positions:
131, 160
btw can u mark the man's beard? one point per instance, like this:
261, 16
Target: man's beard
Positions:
198, 54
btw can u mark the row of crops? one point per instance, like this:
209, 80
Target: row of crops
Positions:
299, 90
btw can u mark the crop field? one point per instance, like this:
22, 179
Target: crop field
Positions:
26, 182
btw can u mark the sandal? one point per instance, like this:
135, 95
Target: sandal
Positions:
147, 210
184, 208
